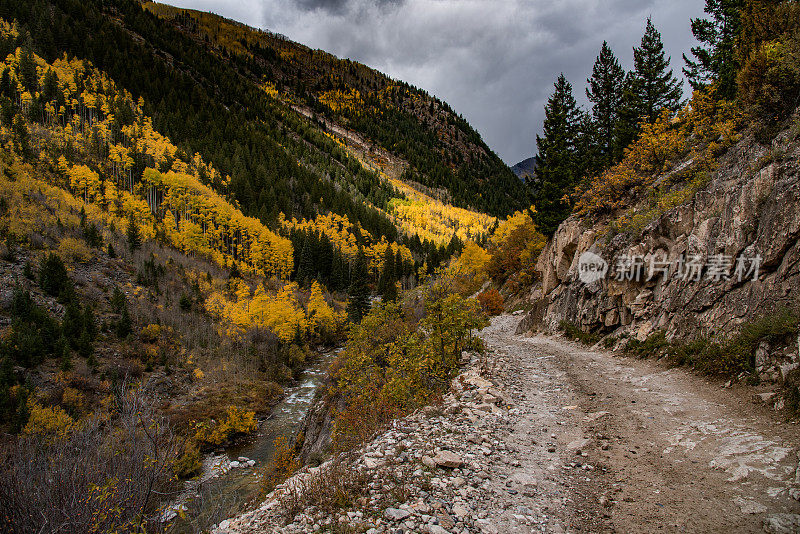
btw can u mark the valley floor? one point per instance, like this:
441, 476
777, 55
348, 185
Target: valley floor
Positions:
565, 439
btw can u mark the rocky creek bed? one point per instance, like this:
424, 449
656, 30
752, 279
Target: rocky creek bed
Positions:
229, 480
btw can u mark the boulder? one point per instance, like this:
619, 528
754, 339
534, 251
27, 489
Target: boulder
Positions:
782, 523
448, 459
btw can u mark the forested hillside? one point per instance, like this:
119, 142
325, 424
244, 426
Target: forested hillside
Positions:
177, 240
221, 102
441, 147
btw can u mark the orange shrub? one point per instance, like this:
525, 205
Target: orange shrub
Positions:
491, 302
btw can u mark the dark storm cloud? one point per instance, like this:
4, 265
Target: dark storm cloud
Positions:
337, 6
494, 61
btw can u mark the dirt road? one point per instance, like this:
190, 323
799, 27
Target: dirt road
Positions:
626, 445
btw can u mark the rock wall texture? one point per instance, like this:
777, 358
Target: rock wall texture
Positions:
750, 207
316, 429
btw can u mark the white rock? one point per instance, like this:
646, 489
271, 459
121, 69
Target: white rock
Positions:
372, 463
394, 514
460, 512
749, 506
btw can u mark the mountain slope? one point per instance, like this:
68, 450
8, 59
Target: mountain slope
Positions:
525, 168
212, 100
442, 148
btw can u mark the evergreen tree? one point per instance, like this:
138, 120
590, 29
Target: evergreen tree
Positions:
358, 301
89, 325
234, 272
399, 266
325, 258
388, 287
588, 144
72, 325
27, 70
338, 272
64, 353
134, 236
649, 88
605, 93
556, 172
53, 277
123, 327
305, 265
654, 84
50, 90
715, 59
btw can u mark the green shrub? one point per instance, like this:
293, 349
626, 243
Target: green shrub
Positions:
655, 345
609, 342
53, 277
730, 357
400, 357
573, 331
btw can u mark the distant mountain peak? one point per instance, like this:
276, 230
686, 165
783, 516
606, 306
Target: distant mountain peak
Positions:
525, 168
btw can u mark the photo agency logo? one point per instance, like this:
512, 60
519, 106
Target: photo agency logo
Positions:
591, 267
690, 268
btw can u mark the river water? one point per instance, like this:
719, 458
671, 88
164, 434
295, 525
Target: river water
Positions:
222, 490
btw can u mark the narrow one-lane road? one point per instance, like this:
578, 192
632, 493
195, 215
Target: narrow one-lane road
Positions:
630, 445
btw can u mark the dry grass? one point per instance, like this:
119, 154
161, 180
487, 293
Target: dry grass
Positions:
333, 487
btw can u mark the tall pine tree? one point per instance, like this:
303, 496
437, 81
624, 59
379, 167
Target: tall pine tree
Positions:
358, 301
605, 93
134, 235
650, 87
715, 58
388, 284
556, 173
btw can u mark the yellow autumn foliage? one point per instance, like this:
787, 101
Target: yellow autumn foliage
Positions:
697, 134
346, 236
322, 318
73, 251
218, 433
193, 216
470, 268
47, 420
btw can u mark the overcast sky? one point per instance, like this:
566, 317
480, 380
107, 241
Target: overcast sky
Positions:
493, 61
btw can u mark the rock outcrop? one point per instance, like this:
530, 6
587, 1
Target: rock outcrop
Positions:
749, 212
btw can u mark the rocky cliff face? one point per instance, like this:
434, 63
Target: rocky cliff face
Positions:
314, 438
749, 209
